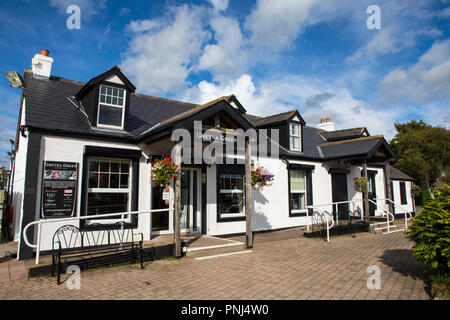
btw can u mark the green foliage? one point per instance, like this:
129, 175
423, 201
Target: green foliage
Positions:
424, 197
431, 232
423, 151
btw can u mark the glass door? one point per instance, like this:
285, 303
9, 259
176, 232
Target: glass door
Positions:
185, 199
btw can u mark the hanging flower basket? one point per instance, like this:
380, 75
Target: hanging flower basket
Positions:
361, 184
261, 177
163, 171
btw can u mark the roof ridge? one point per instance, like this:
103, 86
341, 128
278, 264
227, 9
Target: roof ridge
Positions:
163, 99
348, 129
57, 78
351, 140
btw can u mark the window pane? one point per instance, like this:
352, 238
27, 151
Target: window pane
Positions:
294, 129
114, 181
230, 203
103, 89
125, 167
93, 166
102, 203
120, 102
298, 201
114, 92
124, 180
297, 179
108, 99
110, 116
102, 98
121, 93
114, 101
109, 91
93, 180
104, 180
115, 166
104, 166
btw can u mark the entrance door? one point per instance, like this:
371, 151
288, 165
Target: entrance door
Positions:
372, 192
339, 193
189, 200
372, 195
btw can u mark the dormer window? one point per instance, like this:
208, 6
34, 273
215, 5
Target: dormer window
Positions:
111, 107
295, 136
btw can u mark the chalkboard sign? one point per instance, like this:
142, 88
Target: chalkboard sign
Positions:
59, 189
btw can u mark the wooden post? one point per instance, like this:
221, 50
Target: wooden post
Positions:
177, 205
366, 193
387, 178
248, 194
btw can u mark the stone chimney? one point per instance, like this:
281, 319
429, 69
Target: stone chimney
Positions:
41, 64
326, 124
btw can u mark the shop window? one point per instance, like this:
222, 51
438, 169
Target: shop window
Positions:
109, 187
231, 195
297, 194
111, 107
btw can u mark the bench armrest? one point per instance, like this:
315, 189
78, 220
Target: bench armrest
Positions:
141, 236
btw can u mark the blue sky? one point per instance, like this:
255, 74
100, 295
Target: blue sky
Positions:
317, 56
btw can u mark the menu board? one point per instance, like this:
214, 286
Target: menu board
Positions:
59, 189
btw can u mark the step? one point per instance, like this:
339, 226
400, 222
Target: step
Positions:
385, 227
216, 251
398, 230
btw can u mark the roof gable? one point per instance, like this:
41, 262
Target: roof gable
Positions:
114, 74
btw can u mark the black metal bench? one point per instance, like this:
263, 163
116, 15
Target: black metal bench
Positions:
95, 246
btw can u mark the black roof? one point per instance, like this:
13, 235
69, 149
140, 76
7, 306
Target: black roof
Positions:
51, 105
276, 118
344, 134
398, 175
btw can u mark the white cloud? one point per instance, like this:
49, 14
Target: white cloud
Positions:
314, 98
426, 80
219, 5
391, 39
143, 25
227, 56
277, 23
159, 61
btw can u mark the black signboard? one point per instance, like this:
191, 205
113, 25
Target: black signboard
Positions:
59, 189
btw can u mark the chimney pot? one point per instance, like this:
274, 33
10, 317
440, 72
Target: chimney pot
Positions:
328, 120
322, 120
45, 52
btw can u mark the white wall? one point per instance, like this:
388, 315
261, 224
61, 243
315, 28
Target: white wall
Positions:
399, 207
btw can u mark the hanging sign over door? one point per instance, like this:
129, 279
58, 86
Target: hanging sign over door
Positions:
59, 189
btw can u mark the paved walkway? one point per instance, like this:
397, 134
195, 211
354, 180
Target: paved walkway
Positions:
282, 265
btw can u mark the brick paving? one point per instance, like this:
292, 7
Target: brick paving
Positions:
282, 265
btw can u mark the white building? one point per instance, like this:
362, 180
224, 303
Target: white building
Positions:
86, 149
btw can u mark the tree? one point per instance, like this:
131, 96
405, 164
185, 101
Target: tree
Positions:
423, 151
431, 232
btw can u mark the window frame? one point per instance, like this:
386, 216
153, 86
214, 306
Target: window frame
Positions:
294, 212
128, 190
132, 154
123, 107
403, 195
230, 169
299, 136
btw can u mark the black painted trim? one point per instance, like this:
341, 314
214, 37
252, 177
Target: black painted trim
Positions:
298, 166
30, 192
204, 221
339, 171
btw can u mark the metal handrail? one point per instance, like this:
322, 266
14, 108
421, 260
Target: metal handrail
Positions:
405, 212
39, 223
389, 216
